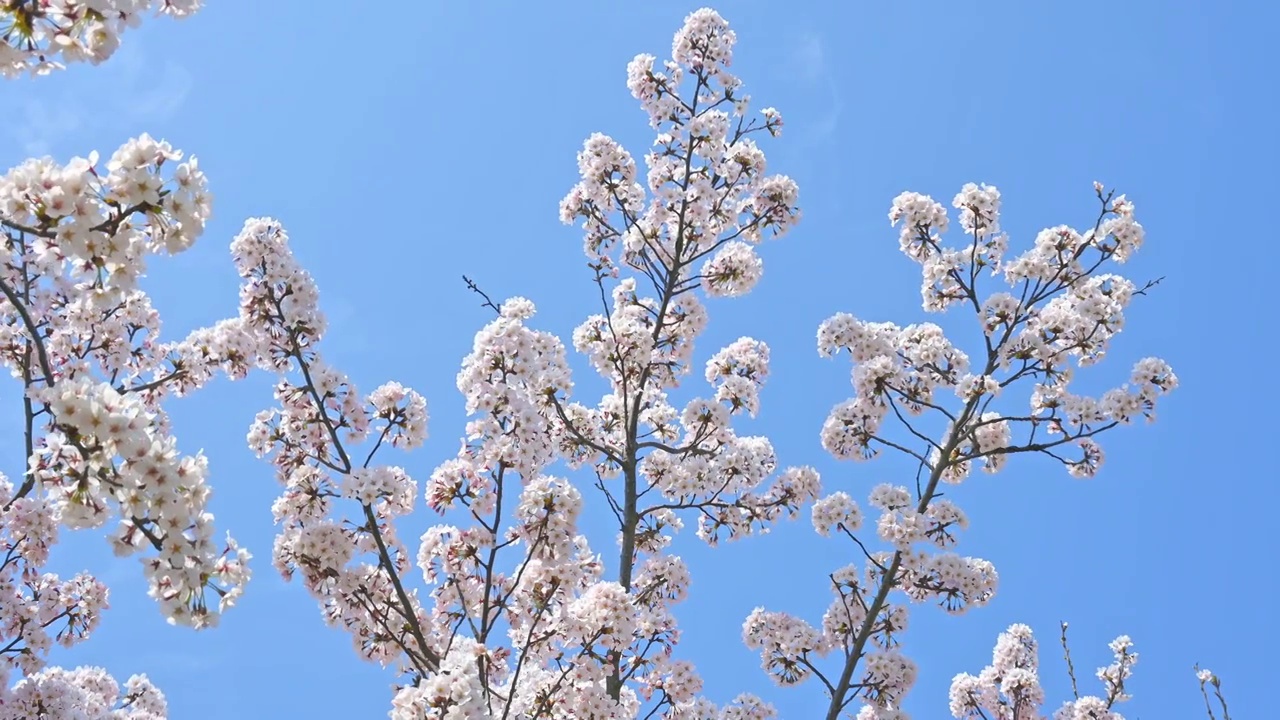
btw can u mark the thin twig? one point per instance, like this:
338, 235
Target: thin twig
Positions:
1071, 670
473, 287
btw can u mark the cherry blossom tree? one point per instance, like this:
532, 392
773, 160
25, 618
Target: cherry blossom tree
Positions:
83, 340
518, 616
502, 608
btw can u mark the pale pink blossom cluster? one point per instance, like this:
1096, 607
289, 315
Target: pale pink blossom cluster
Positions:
836, 511
85, 693
159, 495
787, 644
41, 35
738, 370
97, 225
1009, 688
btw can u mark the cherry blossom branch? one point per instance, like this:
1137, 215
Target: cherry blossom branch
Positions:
1207, 677
430, 660
1071, 670
159, 382
45, 366
841, 698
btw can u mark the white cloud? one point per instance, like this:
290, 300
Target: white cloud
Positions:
123, 96
810, 58
39, 123
810, 67
151, 93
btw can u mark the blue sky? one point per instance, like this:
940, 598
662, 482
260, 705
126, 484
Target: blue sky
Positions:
406, 146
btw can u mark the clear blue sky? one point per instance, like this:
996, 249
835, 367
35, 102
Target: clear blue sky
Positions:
406, 145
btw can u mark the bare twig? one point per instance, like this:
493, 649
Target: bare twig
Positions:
473, 287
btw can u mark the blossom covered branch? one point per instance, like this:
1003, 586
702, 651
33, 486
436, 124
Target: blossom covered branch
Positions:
1060, 316
84, 340
39, 36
